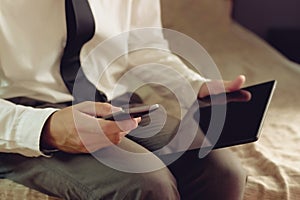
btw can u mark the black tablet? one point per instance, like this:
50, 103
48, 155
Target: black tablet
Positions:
244, 114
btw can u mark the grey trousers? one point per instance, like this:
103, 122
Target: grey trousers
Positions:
217, 176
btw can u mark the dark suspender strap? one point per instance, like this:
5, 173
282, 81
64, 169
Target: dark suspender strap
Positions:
80, 29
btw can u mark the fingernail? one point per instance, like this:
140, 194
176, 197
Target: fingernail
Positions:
138, 120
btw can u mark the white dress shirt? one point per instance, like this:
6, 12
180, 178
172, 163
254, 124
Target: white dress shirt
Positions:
32, 40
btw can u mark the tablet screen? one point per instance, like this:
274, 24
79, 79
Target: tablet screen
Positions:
245, 112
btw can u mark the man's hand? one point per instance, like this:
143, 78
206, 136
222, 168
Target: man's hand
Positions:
76, 129
218, 86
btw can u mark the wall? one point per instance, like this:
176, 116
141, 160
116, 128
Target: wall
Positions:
276, 21
261, 15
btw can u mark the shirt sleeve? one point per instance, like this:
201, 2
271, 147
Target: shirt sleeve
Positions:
151, 60
21, 127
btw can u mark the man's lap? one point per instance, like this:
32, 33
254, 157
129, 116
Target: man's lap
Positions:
77, 176
85, 177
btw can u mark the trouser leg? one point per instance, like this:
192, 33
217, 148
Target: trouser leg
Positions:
83, 177
217, 176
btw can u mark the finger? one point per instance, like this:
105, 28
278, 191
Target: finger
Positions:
211, 88
96, 108
245, 96
95, 142
240, 96
137, 120
117, 138
218, 86
118, 126
235, 84
85, 123
103, 109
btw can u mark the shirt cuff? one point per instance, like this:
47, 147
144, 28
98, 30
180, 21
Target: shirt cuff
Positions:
29, 128
195, 83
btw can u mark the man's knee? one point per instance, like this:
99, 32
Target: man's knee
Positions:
145, 186
229, 176
233, 177
153, 185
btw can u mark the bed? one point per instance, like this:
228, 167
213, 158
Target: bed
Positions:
273, 162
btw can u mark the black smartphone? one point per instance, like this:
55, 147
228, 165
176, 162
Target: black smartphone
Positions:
133, 112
